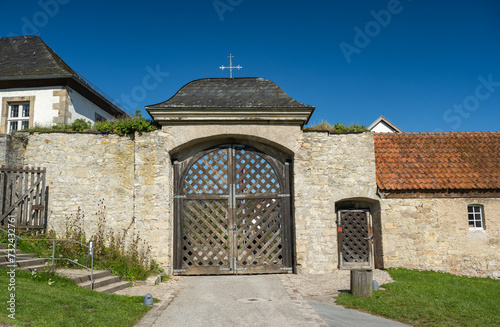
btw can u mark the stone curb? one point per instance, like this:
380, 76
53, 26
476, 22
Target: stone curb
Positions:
307, 311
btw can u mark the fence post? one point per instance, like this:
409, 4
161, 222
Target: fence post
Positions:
362, 282
53, 253
91, 252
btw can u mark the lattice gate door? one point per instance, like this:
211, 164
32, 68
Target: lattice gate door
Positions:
355, 239
232, 213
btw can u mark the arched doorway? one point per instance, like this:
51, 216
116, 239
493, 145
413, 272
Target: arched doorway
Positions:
232, 212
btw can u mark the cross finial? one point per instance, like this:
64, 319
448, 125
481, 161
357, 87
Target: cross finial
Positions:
230, 67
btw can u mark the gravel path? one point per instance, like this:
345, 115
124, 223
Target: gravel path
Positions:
318, 287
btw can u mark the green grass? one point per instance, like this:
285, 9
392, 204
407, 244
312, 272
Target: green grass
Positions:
64, 304
427, 298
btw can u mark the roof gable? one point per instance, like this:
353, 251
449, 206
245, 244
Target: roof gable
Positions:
383, 124
437, 161
30, 56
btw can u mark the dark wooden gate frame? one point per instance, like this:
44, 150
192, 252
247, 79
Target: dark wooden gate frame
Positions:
340, 240
180, 171
24, 198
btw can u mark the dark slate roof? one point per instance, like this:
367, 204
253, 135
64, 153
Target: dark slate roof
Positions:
231, 93
30, 56
437, 161
26, 61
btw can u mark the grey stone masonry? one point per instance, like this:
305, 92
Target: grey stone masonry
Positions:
130, 177
328, 168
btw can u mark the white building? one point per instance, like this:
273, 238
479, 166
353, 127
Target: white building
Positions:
38, 88
383, 125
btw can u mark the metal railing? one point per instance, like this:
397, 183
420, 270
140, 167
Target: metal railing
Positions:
102, 93
12, 238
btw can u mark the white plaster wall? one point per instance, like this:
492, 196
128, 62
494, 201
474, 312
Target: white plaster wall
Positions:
82, 108
382, 128
44, 100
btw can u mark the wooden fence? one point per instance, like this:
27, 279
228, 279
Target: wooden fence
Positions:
23, 198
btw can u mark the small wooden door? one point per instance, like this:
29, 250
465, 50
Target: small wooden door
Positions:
354, 231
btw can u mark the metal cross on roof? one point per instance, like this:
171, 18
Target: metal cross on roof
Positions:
230, 67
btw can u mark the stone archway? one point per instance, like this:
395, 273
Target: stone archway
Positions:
232, 212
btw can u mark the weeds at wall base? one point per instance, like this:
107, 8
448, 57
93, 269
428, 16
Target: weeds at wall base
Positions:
127, 256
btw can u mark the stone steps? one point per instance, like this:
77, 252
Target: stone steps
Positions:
111, 288
25, 261
103, 280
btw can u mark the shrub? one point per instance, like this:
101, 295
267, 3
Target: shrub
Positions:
126, 126
338, 128
80, 125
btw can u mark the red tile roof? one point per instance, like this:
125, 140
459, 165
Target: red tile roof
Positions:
438, 161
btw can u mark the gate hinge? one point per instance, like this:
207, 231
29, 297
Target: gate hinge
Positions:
284, 195
179, 196
289, 269
176, 271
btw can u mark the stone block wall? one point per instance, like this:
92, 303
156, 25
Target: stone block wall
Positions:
133, 179
12, 149
434, 234
129, 176
328, 168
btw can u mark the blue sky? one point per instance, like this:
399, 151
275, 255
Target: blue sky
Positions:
425, 65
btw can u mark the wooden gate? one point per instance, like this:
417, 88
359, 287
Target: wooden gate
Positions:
24, 196
354, 239
232, 213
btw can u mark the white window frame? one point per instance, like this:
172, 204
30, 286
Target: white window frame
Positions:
6, 107
20, 119
475, 214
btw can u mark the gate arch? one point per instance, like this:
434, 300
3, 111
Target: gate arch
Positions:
232, 212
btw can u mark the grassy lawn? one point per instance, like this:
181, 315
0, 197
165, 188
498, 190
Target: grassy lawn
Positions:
426, 298
63, 303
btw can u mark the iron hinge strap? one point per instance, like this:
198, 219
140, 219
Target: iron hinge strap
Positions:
179, 196
176, 271
284, 195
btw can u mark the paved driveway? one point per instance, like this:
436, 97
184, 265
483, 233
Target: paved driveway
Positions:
256, 300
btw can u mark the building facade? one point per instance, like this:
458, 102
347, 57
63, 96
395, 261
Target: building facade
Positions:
38, 88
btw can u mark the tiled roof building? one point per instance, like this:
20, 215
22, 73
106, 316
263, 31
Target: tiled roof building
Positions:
438, 162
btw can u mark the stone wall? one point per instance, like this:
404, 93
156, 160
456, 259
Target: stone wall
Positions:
12, 149
434, 234
328, 168
130, 177
133, 178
